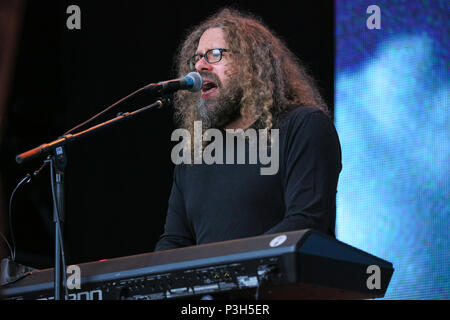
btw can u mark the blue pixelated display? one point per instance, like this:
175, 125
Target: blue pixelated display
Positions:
392, 113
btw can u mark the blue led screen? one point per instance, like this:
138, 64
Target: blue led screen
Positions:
392, 113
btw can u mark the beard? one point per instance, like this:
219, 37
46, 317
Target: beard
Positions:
216, 112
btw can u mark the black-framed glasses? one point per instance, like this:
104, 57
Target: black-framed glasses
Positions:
211, 56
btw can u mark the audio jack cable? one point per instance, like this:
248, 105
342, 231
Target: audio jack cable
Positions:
24, 180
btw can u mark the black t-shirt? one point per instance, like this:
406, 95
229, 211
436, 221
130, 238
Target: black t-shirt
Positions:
218, 202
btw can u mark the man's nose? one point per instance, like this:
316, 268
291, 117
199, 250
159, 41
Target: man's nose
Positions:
202, 65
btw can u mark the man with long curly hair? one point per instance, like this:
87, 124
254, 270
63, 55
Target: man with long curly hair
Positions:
251, 80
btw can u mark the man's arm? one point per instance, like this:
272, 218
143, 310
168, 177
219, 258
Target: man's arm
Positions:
312, 163
177, 232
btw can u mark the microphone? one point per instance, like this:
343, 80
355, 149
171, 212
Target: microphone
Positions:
192, 82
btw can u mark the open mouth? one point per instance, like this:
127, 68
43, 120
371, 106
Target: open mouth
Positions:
208, 87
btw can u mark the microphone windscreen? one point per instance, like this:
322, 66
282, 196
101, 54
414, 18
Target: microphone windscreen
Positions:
198, 81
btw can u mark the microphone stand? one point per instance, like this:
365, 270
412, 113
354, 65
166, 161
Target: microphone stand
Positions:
58, 162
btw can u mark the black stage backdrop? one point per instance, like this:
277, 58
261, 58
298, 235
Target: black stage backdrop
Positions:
117, 181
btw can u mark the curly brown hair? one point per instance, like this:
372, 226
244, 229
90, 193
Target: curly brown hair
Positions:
273, 80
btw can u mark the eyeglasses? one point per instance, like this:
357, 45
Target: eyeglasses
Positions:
211, 56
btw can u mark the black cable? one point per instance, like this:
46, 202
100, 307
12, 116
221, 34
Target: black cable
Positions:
25, 179
7, 243
12, 249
